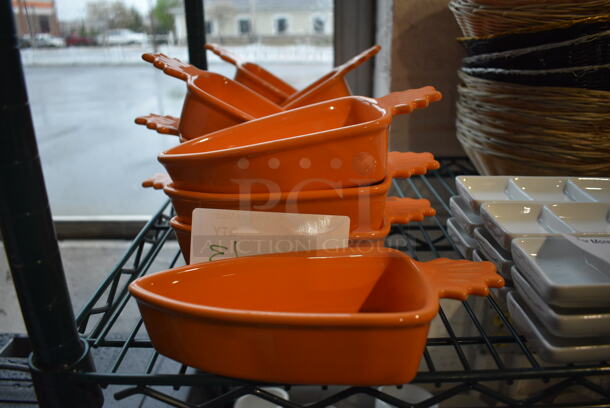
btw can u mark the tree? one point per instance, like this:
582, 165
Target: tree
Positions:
103, 15
163, 19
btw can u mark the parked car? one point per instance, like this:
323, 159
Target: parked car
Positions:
122, 36
42, 40
160, 39
77, 40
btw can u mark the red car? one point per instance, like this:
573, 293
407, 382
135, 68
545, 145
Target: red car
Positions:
76, 40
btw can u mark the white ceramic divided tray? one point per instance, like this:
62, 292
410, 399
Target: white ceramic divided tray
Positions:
488, 247
562, 322
499, 294
562, 273
479, 189
465, 217
508, 220
464, 243
551, 348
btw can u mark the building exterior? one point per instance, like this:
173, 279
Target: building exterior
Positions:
34, 17
238, 22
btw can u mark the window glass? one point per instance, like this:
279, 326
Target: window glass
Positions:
318, 25
87, 83
281, 25
243, 26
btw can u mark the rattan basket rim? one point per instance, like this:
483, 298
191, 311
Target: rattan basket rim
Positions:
543, 27
472, 81
536, 72
544, 47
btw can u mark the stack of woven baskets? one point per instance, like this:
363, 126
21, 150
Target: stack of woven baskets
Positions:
534, 95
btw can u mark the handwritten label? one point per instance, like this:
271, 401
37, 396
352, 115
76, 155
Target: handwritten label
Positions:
221, 234
597, 246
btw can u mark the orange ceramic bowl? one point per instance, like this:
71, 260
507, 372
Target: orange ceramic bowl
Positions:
255, 77
348, 316
364, 205
212, 101
397, 211
334, 144
330, 86
183, 235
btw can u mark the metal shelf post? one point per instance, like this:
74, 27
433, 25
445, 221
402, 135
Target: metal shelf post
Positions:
195, 32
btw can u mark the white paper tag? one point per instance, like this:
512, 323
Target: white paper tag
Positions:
597, 246
220, 234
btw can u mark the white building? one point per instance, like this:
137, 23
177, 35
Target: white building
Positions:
266, 21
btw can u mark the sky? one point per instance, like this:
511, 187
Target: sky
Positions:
75, 9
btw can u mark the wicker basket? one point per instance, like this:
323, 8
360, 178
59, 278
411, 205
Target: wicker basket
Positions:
534, 36
587, 50
479, 18
517, 129
591, 77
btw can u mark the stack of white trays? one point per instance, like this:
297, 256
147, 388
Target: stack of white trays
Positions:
550, 239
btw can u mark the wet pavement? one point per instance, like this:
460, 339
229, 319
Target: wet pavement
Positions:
94, 157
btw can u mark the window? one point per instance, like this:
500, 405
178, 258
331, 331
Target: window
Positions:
281, 25
45, 24
244, 26
318, 24
272, 27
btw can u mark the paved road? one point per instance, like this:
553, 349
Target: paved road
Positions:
94, 157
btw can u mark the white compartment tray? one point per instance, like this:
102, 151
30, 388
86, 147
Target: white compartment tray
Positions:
464, 243
463, 214
492, 251
479, 189
562, 322
564, 274
553, 349
499, 294
508, 220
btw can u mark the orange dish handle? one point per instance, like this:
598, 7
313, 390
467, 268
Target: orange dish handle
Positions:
223, 53
398, 103
356, 61
167, 125
159, 181
407, 164
456, 279
172, 66
406, 210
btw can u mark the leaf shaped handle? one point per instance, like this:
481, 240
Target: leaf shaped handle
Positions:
406, 210
172, 66
456, 279
167, 125
159, 181
398, 103
407, 164
223, 53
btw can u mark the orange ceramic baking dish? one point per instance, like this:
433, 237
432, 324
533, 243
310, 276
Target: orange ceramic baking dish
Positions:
334, 144
255, 77
212, 101
364, 205
350, 316
330, 86
397, 211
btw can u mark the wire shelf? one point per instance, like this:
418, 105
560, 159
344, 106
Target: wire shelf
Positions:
473, 352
